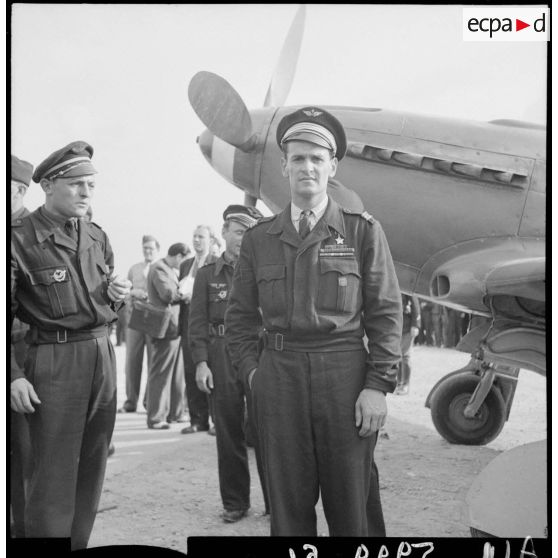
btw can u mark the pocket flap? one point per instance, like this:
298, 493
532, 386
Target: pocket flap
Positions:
49, 276
270, 272
344, 266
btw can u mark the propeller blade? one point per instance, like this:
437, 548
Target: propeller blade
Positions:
220, 108
283, 76
250, 200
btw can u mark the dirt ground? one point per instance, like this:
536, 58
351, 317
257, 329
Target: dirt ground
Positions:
162, 487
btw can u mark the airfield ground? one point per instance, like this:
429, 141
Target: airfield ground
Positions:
161, 487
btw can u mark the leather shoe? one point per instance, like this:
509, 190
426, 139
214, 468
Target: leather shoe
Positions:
159, 426
111, 449
126, 409
231, 516
193, 428
402, 389
211, 431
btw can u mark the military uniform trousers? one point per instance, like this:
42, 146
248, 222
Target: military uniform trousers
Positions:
228, 408
165, 382
70, 432
20, 455
136, 345
304, 405
198, 402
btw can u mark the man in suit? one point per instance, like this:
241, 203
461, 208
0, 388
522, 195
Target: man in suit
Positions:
198, 403
165, 381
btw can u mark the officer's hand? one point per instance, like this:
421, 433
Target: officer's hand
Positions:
138, 293
250, 376
414, 331
204, 377
118, 288
370, 411
22, 396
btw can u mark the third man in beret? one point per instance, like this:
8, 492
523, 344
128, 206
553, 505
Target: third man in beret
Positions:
318, 277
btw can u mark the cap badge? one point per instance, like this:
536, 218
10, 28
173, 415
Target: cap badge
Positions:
339, 239
222, 295
312, 112
59, 275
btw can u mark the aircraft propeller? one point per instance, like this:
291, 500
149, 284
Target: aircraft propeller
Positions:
223, 111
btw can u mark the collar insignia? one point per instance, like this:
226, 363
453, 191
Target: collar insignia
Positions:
339, 239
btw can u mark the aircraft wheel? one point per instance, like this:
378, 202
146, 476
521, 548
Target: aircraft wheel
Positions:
448, 404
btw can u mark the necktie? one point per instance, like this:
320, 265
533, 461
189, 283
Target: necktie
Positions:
70, 228
304, 223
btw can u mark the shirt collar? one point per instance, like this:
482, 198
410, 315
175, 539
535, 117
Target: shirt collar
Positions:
220, 262
317, 210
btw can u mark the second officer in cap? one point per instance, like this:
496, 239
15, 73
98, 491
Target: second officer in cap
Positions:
214, 372
62, 285
318, 277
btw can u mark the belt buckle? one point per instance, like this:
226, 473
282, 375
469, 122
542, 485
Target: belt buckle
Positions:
278, 341
221, 330
65, 340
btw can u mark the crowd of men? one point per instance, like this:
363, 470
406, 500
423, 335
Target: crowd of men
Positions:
263, 338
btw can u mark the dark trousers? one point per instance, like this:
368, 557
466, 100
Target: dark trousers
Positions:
228, 408
305, 410
136, 344
165, 382
20, 455
70, 431
198, 403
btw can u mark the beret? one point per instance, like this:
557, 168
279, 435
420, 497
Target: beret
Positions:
316, 118
72, 160
21, 170
244, 214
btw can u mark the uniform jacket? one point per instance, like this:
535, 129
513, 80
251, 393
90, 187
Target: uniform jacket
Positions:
328, 289
209, 301
162, 291
411, 312
57, 283
185, 268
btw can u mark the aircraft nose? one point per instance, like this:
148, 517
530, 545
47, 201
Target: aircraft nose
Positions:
231, 163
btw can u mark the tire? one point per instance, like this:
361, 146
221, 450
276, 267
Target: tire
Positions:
447, 406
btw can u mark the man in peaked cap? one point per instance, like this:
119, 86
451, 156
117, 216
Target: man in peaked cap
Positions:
318, 277
215, 374
20, 445
62, 284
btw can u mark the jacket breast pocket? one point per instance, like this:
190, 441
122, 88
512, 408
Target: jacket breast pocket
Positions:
54, 291
339, 285
272, 287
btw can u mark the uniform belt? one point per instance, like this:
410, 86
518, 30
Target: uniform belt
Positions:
43, 336
327, 343
217, 330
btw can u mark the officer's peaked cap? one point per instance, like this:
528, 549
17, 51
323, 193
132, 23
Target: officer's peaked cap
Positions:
244, 214
72, 160
314, 125
21, 170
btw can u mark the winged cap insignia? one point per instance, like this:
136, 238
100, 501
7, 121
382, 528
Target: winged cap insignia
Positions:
312, 112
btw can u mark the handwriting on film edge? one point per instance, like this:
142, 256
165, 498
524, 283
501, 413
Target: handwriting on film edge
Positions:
405, 549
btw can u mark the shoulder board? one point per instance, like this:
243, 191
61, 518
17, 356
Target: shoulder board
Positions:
263, 220
95, 225
17, 222
363, 214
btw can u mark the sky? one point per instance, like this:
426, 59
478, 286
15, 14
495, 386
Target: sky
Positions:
117, 76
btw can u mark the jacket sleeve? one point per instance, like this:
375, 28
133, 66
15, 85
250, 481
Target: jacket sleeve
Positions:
166, 289
15, 370
198, 321
242, 316
382, 310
